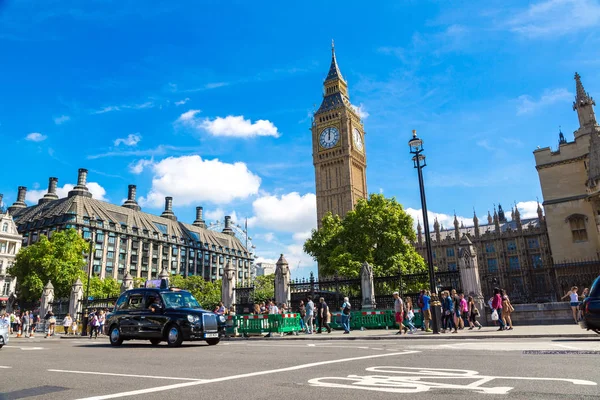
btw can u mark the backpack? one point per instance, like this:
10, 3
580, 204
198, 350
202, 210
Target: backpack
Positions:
346, 309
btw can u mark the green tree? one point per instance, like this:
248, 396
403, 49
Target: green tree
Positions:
378, 231
102, 288
264, 288
207, 293
59, 259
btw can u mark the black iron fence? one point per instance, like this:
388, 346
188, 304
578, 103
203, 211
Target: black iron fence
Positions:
244, 300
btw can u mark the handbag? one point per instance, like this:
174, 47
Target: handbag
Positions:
410, 315
495, 315
475, 311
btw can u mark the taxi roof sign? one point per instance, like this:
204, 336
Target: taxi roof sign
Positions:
157, 283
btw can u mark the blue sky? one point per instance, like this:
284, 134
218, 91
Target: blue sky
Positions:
210, 102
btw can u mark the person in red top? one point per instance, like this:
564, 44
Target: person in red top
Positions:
497, 305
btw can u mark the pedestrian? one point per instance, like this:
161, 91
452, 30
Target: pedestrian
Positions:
507, 309
464, 310
220, 309
324, 316
67, 322
572, 294
409, 315
302, 312
346, 315
256, 309
497, 306
310, 312
448, 308
426, 310
457, 318
473, 314
51, 323
74, 327
273, 309
94, 323
584, 294
25, 323
398, 311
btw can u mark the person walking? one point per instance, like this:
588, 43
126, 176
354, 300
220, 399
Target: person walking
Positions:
310, 314
220, 309
302, 312
464, 310
25, 324
497, 306
346, 315
67, 322
507, 309
456, 310
51, 319
426, 310
448, 307
409, 315
324, 316
574, 297
420, 305
94, 323
473, 314
398, 311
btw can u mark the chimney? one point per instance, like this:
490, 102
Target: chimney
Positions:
199, 218
1, 197
20, 203
227, 228
131, 202
51, 195
168, 213
81, 189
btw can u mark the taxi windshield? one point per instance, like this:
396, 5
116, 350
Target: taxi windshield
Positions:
180, 300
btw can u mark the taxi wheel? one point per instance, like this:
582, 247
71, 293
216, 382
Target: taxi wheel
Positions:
213, 342
174, 336
1, 345
115, 336
155, 342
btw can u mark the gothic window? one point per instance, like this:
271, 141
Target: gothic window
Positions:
511, 246
452, 266
536, 261
577, 225
533, 243
450, 252
492, 264
513, 263
489, 248
5, 227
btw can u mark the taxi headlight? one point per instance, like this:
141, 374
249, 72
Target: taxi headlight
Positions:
193, 318
222, 319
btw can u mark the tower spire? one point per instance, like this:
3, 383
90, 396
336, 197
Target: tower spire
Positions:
584, 105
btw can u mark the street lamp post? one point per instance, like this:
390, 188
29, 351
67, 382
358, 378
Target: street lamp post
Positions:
416, 148
84, 319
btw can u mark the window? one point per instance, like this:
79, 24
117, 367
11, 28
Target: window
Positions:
513, 263
5, 227
492, 264
450, 252
489, 248
2, 247
577, 225
6, 288
536, 261
452, 266
533, 243
135, 301
511, 246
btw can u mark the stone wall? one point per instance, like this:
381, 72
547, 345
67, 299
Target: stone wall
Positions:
538, 314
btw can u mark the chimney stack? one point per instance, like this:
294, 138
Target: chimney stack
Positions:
199, 222
51, 195
227, 228
1, 197
81, 189
168, 213
131, 202
20, 203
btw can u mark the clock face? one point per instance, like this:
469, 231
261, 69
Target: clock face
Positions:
357, 139
329, 137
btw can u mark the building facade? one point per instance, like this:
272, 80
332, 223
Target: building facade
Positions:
263, 269
569, 178
128, 240
513, 254
10, 244
339, 153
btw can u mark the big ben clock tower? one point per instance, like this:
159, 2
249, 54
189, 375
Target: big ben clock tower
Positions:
338, 148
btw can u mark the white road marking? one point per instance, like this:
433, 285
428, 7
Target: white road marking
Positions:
126, 375
241, 376
566, 347
24, 348
2, 366
414, 380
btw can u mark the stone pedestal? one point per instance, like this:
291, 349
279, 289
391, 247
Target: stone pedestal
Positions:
75, 299
367, 287
282, 282
469, 274
47, 299
127, 282
228, 287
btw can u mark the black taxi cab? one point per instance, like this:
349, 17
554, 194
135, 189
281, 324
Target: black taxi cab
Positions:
162, 314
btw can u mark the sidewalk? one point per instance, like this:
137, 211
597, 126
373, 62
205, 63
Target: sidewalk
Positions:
487, 332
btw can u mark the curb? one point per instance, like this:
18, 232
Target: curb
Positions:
418, 337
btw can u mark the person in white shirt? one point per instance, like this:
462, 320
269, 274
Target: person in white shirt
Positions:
67, 321
273, 309
310, 313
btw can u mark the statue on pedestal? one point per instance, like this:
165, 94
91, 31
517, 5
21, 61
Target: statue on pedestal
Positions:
75, 298
282, 282
367, 286
228, 286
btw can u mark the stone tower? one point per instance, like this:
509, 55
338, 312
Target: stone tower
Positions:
338, 148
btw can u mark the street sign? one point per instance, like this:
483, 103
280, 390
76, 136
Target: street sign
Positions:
90, 298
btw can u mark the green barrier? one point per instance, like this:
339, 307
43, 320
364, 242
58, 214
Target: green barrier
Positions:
284, 323
263, 323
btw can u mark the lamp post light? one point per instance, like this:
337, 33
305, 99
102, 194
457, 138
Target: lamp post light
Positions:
84, 319
416, 148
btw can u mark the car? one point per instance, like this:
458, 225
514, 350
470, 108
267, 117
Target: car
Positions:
590, 308
162, 314
4, 326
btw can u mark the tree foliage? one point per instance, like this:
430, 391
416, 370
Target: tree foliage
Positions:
207, 293
102, 288
378, 231
264, 288
59, 259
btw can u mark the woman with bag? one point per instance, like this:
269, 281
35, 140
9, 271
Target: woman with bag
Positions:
507, 309
346, 315
473, 314
497, 307
409, 315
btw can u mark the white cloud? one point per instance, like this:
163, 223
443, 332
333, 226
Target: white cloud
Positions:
287, 213
528, 105
552, 18
486, 145
182, 102
95, 188
131, 140
268, 237
301, 236
230, 126
190, 179
219, 215
528, 209
138, 166
445, 220
36, 137
265, 260
140, 106
361, 111
62, 119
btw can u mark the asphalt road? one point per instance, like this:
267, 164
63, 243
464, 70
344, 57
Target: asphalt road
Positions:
268, 369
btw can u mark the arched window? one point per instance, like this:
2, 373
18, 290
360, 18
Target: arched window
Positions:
577, 225
5, 227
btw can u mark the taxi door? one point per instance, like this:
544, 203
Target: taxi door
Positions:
153, 322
